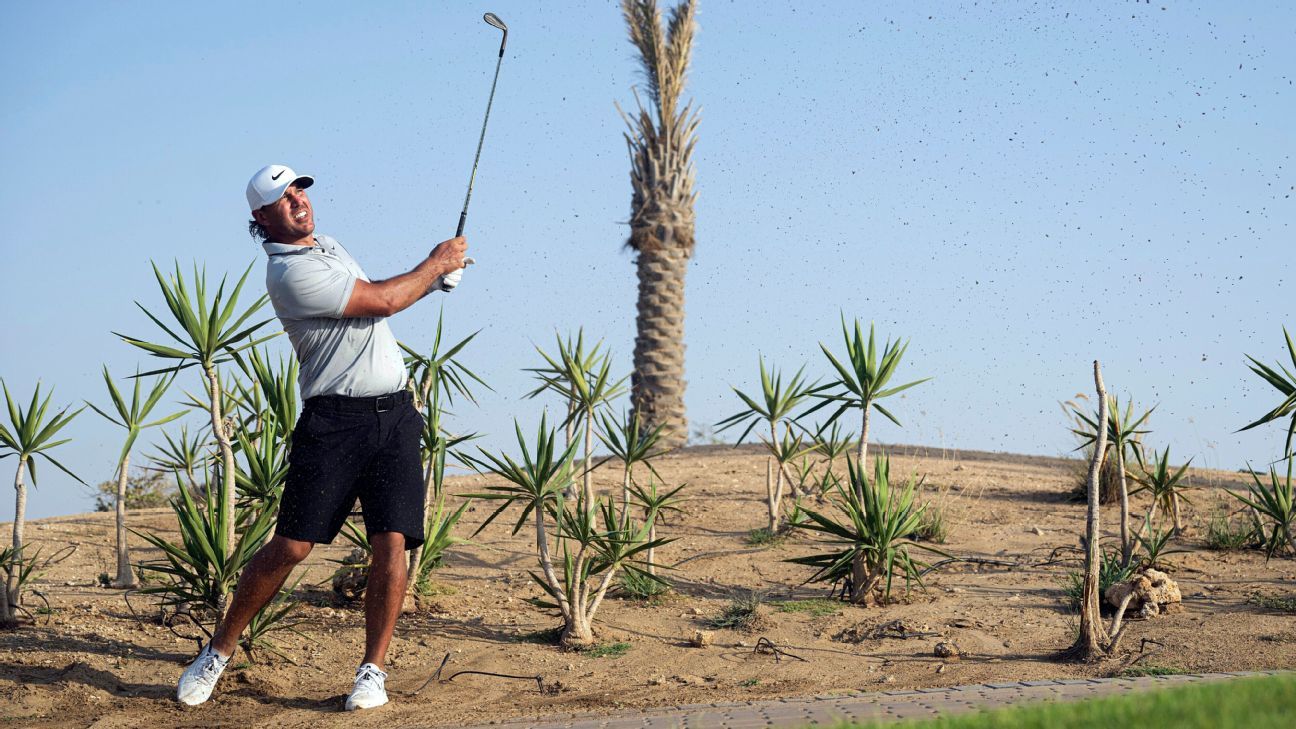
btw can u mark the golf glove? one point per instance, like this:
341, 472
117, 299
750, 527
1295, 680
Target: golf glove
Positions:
449, 281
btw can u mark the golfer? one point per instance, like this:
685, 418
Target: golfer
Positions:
358, 434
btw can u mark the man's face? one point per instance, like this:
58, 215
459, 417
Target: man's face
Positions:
289, 219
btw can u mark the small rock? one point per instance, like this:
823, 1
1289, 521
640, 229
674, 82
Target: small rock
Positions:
694, 611
689, 679
1153, 593
940, 668
744, 644
656, 680
948, 650
1037, 531
700, 639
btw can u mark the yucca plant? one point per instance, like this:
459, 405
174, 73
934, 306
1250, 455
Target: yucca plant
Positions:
201, 569
1123, 438
832, 443
262, 466
1156, 543
1284, 381
436, 378
276, 616
585, 381
590, 549
863, 379
181, 454
876, 525
656, 504
15, 569
32, 435
776, 404
273, 392
211, 330
1276, 503
439, 538
782, 452
133, 418
1166, 486
631, 444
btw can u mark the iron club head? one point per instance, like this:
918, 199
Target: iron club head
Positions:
494, 20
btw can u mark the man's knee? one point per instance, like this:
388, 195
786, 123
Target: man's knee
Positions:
387, 545
288, 551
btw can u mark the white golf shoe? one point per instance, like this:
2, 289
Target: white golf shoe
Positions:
198, 680
369, 690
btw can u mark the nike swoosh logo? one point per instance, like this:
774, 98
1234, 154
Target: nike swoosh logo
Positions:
275, 177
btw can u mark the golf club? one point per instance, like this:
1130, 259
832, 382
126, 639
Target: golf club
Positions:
493, 20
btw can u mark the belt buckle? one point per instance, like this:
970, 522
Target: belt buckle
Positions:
380, 406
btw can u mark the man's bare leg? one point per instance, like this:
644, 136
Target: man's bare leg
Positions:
384, 593
261, 580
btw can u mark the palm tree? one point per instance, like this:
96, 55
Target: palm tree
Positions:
660, 141
132, 417
209, 334
32, 435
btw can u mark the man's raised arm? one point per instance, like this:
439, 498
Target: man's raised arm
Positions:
384, 298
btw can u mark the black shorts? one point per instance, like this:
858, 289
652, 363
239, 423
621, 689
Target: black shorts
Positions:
345, 448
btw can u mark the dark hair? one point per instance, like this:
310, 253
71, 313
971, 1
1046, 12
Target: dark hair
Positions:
257, 231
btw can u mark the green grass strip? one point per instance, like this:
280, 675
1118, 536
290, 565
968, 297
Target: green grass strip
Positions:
1241, 703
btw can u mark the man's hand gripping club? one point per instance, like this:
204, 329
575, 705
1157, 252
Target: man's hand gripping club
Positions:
450, 256
440, 271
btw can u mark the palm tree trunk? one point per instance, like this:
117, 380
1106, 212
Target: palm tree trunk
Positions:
546, 565
125, 575
20, 520
1093, 635
1127, 542
571, 422
6, 610
416, 554
652, 551
625, 491
227, 490
588, 482
658, 381
861, 582
863, 446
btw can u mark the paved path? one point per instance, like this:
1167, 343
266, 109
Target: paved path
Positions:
886, 705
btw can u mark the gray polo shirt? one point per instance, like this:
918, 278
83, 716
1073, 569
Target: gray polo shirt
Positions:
309, 287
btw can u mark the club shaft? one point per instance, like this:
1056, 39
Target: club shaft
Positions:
463, 215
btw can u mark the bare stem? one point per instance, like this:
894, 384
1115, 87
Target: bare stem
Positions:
125, 575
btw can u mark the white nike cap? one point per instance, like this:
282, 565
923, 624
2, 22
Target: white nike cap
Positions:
270, 182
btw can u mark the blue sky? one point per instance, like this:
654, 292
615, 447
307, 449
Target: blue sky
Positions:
1018, 188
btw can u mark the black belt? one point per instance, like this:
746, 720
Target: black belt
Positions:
375, 404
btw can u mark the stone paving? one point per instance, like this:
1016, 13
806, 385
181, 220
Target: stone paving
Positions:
885, 705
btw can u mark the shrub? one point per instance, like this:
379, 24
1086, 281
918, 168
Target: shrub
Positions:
1275, 503
763, 537
817, 608
1224, 532
931, 525
776, 404
589, 544
148, 490
1156, 544
1276, 604
877, 526
607, 650
638, 586
742, 612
